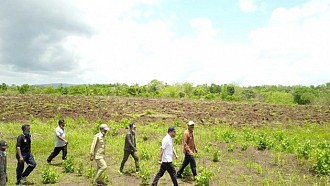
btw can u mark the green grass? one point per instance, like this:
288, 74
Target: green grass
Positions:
277, 164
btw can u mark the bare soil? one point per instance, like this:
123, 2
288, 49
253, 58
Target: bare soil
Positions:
145, 110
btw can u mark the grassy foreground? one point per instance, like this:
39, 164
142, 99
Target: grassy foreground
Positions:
277, 155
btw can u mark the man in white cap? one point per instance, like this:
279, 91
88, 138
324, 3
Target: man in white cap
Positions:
97, 152
189, 148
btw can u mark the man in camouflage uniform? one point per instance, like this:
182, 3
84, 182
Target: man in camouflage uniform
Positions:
3, 163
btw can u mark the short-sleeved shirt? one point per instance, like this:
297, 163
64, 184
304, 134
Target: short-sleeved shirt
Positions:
167, 146
59, 132
24, 143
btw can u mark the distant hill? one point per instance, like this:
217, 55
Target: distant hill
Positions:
55, 85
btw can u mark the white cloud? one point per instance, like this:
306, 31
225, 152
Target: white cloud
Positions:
295, 45
251, 5
292, 49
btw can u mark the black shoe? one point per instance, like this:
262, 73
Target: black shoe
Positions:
178, 176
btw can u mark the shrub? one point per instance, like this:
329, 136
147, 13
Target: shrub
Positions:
230, 147
23, 89
303, 95
49, 175
263, 142
244, 146
304, 150
80, 169
228, 136
145, 154
178, 137
286, 145
68, 165
279, 98
216, 156
248, 135
145, 177
145, 136
322, 165
91, 172
204, 177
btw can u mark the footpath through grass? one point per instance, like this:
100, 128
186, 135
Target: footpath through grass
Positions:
277, 155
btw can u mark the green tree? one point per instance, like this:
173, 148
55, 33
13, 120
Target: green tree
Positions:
155, 87
3, 87
23, 88
303, 95
215, 89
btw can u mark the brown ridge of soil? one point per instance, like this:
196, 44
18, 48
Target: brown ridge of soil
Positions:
145, 110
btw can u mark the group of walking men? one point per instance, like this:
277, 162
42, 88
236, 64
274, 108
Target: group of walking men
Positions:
23, 153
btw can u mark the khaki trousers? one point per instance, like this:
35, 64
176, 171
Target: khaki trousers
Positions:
101, 166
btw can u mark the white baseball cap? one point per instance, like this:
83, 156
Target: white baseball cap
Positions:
104, 126
191, 123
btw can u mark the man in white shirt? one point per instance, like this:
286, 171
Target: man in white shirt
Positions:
60, 142
165, 160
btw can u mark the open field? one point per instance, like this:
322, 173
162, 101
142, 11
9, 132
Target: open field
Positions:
145, 110
239, 143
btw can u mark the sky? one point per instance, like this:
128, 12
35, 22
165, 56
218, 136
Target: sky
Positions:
245, 42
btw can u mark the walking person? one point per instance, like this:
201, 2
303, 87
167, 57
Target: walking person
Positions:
60, 142
165, 157
23, 149
97, 152
189, 148
3, 163
130, 149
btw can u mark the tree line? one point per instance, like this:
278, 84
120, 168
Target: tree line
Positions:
275, 94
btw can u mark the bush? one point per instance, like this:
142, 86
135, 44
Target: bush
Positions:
279, 98
204, 177
145, 154
216, 156
244, 146
23, 89
145, 177
230, 147
68, 165
263, 142
322, 165
80, 169
49, 175
303, 95
228, 136
304, 150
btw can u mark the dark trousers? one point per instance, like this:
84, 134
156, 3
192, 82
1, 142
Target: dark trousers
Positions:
56, 151
28, 158
170, 169
188, 159
126, 155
